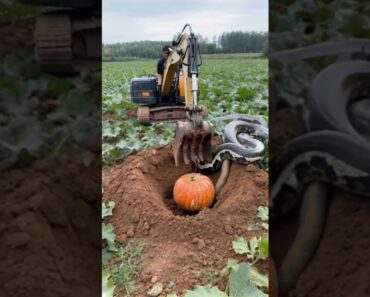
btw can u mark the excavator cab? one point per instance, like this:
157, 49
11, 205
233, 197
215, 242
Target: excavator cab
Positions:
144, 91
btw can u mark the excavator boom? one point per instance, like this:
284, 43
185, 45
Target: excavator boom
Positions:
193, 136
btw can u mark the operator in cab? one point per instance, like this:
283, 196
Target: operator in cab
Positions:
160, 65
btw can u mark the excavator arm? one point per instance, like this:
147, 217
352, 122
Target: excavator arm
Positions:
185, 54
192, 143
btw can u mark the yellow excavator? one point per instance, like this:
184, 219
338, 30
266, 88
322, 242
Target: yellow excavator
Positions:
177, 100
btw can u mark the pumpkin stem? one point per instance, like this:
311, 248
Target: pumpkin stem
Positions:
192, 178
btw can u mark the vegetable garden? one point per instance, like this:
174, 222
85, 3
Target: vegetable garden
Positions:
151, 247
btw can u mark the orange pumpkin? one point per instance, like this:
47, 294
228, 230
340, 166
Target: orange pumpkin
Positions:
193, 192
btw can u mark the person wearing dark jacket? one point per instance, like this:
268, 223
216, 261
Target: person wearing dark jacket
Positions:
161, 63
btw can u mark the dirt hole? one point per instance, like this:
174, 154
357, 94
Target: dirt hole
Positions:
144, 209
149, 178
174, 208
167, 182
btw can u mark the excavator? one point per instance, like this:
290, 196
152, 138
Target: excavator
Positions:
177, 100
67, 35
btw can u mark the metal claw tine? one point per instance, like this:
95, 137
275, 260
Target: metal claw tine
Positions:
177, 145
193, 151
200, 147
185, 150
192, 145
200, 153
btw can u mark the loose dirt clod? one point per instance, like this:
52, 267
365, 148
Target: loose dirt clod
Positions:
179, 243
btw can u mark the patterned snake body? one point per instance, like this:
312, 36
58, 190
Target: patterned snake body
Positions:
244, 141
333, 151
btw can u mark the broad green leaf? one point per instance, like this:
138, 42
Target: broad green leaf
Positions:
75, 103
232, 264
263, 213
108, 234
240, 246
23, 133
265, 226
156, 290
107, 285
253, 244
245, 93
17, 99
258, 279
107, 210
107, 254
263, 246
240, 284
201, 291
134, 145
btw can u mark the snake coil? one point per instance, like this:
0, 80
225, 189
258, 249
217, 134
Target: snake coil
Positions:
333, 152
244, 141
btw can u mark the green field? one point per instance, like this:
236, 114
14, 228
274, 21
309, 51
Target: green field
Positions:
237, 56
237, 85
226, 86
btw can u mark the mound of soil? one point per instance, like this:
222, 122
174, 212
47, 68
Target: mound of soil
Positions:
179, 244
50, 217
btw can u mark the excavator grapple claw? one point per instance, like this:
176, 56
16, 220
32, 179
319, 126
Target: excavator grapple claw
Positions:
192, 143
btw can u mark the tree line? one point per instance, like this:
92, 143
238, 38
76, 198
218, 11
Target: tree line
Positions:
227, 42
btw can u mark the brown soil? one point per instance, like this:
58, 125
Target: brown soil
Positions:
50, 214
49, 222
340, 265
178, 244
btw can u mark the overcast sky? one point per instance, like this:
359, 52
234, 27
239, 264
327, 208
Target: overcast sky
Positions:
135, 20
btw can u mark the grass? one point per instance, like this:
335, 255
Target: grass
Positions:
127, 267
226, 86
233, 56
121, 264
